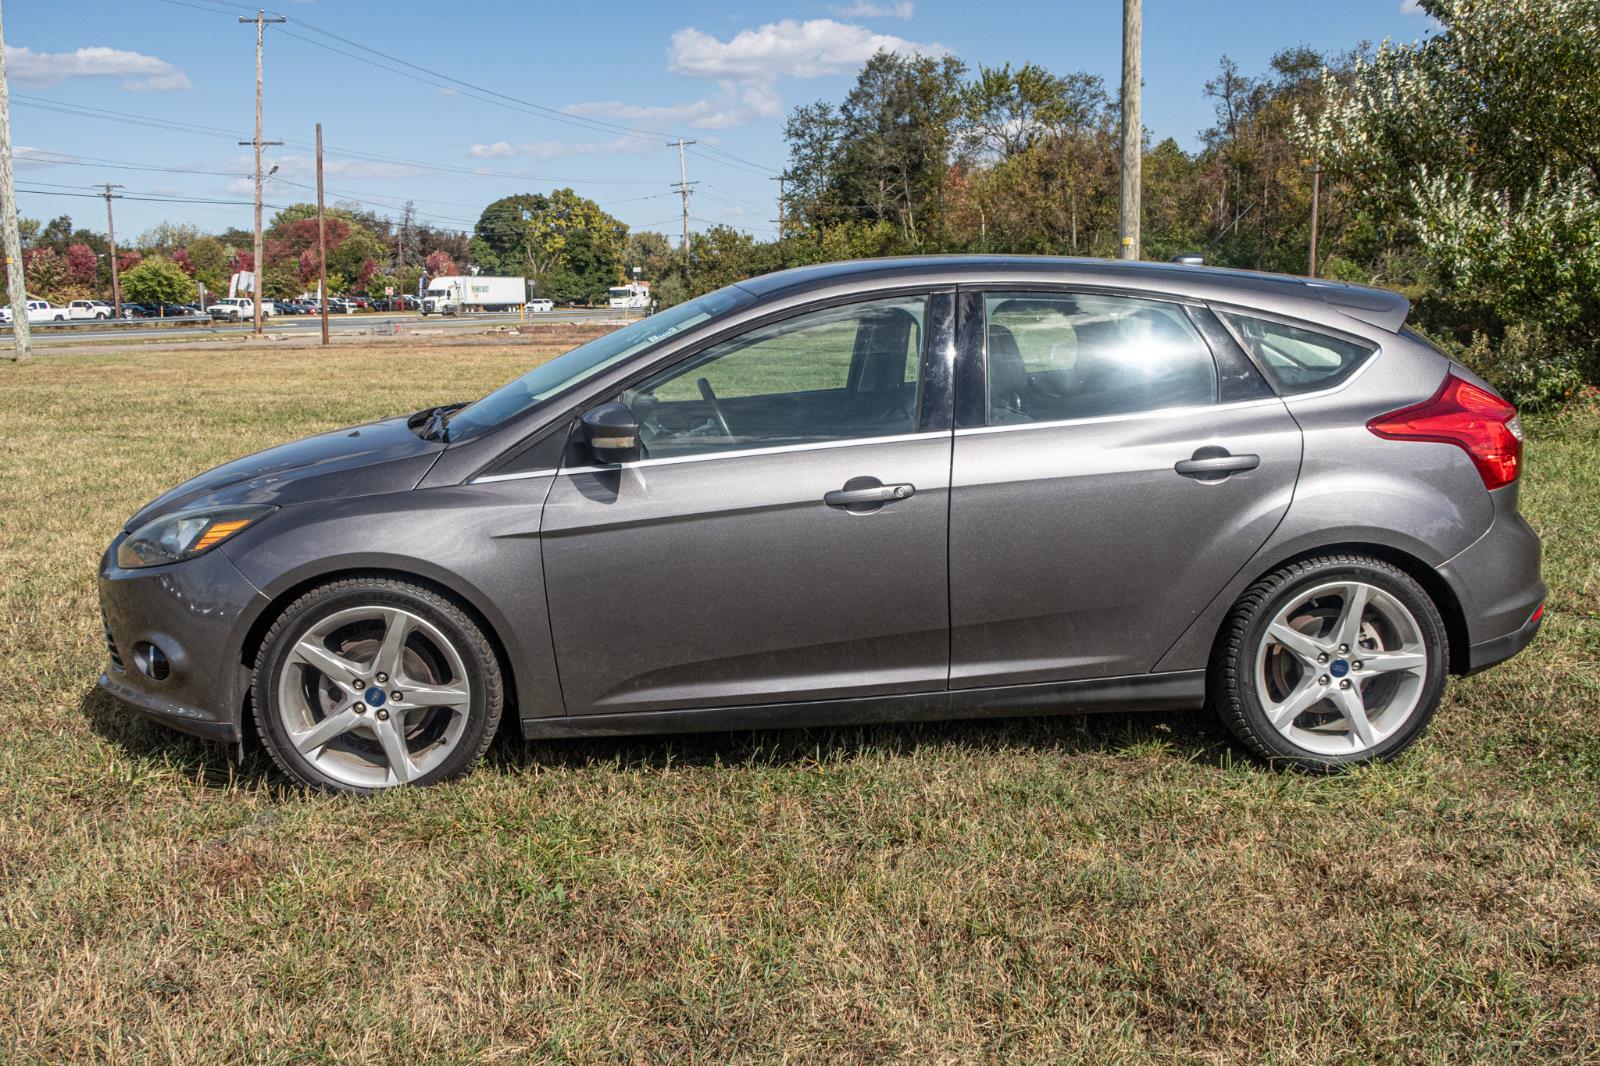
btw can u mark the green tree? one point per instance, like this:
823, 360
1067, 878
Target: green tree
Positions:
157, 280
1478, 144
211, 261
562, 242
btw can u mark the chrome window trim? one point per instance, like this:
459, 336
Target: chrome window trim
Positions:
1154, 412
743, 453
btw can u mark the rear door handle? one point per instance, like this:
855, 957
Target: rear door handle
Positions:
871, 494
1214, 464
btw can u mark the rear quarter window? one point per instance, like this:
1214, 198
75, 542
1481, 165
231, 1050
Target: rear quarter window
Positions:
1298, 359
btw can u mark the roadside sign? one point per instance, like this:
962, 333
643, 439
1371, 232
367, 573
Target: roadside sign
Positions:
388, 290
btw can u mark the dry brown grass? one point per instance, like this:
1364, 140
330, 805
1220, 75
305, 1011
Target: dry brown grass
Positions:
1117, 888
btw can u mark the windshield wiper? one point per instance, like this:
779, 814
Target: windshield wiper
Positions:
435, 424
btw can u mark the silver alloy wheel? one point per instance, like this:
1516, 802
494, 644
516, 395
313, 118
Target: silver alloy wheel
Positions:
374, 696
1341, 668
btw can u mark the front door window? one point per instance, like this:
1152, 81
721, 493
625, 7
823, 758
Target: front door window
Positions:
840, 373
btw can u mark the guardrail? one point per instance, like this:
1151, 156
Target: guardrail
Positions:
108, 323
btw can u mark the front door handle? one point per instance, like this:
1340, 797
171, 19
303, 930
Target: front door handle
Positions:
1214, 464
870, 494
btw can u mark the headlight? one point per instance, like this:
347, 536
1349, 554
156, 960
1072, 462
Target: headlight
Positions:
185, 534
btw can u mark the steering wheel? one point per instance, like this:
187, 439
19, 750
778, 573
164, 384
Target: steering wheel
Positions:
710, 397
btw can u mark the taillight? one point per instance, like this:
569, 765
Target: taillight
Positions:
1473, 419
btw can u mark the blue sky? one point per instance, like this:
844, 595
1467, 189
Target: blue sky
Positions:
618, 80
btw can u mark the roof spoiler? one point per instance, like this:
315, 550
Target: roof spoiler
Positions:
1378, 307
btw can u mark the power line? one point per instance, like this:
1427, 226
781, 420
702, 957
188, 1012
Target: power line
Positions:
430, 76
175, 126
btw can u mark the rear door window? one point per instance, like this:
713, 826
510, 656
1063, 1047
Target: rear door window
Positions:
1062, 356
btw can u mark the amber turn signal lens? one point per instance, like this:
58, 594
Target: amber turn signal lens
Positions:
217, 533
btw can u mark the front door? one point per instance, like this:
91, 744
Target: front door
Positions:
1112, 483
784, 537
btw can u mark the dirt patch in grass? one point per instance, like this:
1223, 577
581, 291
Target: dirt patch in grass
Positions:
1110, 888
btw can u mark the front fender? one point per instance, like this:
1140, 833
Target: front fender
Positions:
478, 542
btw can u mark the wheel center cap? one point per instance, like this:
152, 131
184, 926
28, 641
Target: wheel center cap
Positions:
1338, 668
375, 696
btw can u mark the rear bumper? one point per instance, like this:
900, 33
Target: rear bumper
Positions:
1497, 582
1492, 652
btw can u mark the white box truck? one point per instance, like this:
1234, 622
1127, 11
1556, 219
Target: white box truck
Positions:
453, 294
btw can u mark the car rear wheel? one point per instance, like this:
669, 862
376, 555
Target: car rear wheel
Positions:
373, 683
1333, 662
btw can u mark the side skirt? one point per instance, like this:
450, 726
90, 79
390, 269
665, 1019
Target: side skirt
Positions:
1178, 691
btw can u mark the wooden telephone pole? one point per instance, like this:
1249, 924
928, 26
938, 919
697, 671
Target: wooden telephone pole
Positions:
258, 273
683, 187
1132, 127
322, 246
111, 241
16, 276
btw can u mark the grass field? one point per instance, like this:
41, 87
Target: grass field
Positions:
1108, 889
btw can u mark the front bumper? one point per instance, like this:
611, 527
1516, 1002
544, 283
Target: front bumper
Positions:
197, 613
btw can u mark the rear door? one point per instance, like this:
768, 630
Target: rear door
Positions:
1109, 476
785, 536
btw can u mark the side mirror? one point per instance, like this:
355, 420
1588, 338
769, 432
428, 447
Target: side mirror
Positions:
612, 433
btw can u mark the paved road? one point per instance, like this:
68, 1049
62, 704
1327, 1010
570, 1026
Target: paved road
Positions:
371, 322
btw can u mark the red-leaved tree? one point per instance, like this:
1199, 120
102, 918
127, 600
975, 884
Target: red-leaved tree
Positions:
82, 264
440, 263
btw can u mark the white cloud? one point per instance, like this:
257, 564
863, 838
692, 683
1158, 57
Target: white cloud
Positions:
302, 170
142, 73
736, 104
809, 49
865, 9
558, 149
747, 68
24, 158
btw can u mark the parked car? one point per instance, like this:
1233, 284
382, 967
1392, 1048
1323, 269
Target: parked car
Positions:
87, 310
541, 306
292, 307
137, 310
894, 489
239, 308
38, 311
338, 305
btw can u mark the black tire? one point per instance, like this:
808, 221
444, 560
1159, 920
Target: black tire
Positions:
477, 655
1231, 682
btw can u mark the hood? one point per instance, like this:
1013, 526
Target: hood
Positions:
363, 460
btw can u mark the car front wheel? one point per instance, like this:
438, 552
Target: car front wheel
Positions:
372, 683
1328, 663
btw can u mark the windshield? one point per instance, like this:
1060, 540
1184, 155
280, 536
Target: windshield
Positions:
622, 292
577, 366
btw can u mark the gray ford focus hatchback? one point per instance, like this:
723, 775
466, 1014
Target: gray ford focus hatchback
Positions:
899, 489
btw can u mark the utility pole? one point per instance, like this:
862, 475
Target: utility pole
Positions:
779, 220
111, 240
683, 187
16, 276
322, 246
1132, 127
1316, 205
261, 21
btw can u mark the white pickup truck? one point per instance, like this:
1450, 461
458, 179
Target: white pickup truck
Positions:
38, 311
79, 310
239, 308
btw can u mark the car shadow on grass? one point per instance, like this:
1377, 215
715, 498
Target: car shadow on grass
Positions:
1191, 736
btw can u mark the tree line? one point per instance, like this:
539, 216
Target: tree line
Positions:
1462, 170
